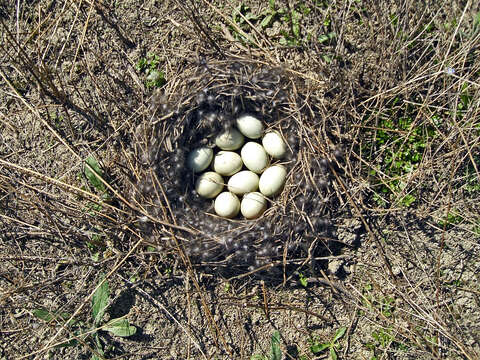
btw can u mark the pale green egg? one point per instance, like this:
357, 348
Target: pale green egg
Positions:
199, 159
243, 182
227, 205
254, 157
209, 184
273, 180
253, 205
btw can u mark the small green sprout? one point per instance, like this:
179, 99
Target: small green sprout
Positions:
302, 280
275, 351
149, 66
317, 348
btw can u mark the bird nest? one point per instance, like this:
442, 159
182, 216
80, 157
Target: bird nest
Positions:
299, 224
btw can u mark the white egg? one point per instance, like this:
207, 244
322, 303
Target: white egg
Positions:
227, 163
250, 126
209, 184
199, 159
274, 144
243, 182
227, 205
230, 139
253, 205
272, 180
254, 157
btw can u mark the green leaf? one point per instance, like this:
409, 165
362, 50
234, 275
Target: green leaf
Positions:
317, 348
142, 63
43, 314
327, 59
267, 20
98, 348
271, 3
120, 327
323, 38
340, 332
408, 200
333, 354
276, 351
100, 302
295, 24
48, 316
94, 176
302, 279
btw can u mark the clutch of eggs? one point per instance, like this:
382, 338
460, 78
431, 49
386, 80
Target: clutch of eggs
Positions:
246, 161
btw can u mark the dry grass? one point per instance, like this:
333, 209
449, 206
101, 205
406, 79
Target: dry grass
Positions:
402, 275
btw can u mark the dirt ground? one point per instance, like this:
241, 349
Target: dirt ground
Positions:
402, 277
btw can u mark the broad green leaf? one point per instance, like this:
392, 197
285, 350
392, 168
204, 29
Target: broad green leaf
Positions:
340, 332
100, 301
48, 316
43, 314
276, 351
120, 327
267, 20
94, 176
316, 348
333, 354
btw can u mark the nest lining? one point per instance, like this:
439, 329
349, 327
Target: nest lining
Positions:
298, 223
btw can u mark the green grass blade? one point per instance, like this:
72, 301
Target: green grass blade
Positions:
340, 332
276, 351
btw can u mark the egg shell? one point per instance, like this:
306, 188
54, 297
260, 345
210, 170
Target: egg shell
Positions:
230, 139
199, 159
274, 144
227, 205
253, 205
209, 184
243, 182
227, 163
254, 157
273, 180
250, 126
